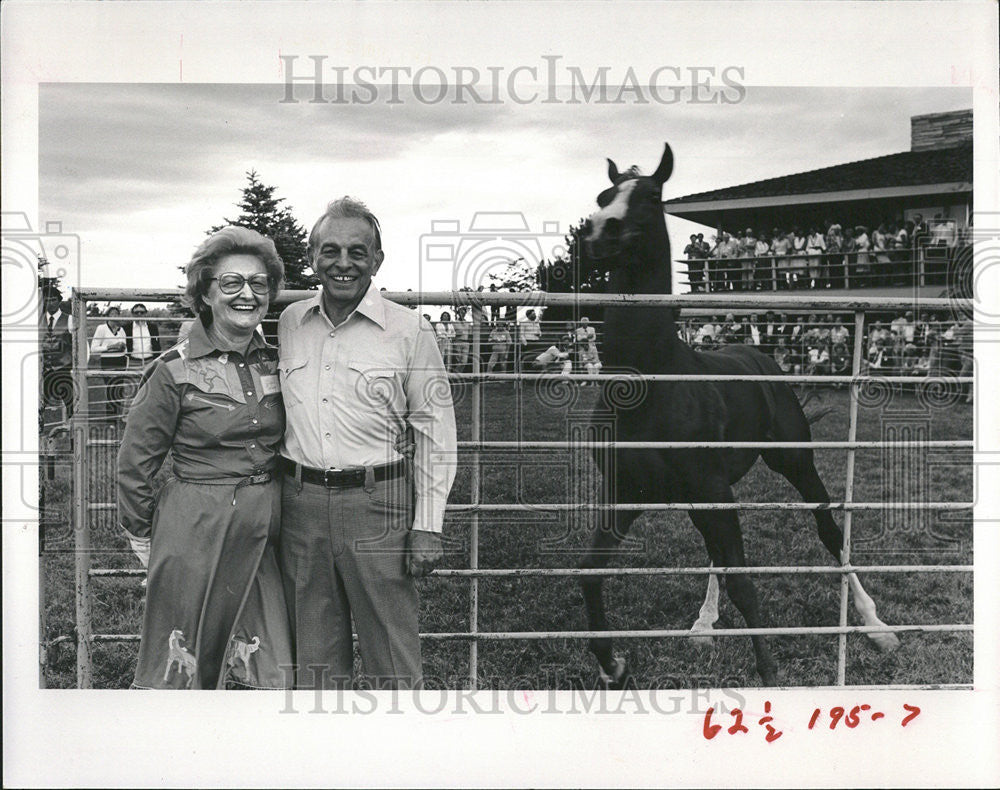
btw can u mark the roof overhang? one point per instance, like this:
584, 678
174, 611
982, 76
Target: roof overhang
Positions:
684, 208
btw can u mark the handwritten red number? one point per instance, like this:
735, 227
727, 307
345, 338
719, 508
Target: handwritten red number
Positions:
738, 725
835, 714
772, 733
813, 718
914, 712
710, 730
851, 720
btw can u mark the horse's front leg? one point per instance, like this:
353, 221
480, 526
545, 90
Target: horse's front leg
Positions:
609, 535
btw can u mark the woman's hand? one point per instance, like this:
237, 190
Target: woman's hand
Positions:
140, 547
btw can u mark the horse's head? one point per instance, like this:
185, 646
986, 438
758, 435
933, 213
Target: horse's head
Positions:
630, 215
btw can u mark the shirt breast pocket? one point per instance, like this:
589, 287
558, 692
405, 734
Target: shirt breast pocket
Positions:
375, 385
293, 375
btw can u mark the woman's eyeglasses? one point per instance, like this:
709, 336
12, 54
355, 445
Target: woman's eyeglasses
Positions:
232, 283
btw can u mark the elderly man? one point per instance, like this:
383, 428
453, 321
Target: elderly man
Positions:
359, 521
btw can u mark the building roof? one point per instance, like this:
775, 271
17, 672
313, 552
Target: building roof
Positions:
907, 169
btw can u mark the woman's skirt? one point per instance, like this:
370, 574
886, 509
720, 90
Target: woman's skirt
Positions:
215, 609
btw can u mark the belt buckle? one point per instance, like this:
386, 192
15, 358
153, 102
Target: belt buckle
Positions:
326, 477
259, 478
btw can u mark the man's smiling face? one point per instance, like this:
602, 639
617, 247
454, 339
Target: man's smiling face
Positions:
345, 260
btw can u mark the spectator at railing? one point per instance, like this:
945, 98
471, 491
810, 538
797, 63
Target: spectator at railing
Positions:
705, 336
591, 360
833, 266
783, 356
529, 335
839, 333
815, 246
752, 330
849, 247
798, 264
880, 357
903, 270
762, 271
696, 266
903, 329
769, 333
781, 245
556, 358
108, 346
840, 361
731, 330
862, 266
444, 330
746, 250
921, 231
462, 342
817, 361
883, 263
500, 341
922, 330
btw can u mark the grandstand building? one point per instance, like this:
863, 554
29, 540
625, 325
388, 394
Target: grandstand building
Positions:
925, 192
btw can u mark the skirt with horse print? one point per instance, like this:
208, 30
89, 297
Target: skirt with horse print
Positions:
215, 610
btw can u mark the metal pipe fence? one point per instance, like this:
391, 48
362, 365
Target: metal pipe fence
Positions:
87, 499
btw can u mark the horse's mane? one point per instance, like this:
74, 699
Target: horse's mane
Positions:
627, 175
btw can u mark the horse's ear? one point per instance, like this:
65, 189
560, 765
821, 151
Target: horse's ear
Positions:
666, 166
613, 172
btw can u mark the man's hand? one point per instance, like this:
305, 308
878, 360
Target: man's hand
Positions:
406, 445
423, 552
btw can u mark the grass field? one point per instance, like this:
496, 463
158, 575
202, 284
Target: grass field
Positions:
536, 539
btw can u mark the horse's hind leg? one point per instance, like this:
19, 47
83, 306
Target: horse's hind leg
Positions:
721, 530
708, 614
606, 539
798, 467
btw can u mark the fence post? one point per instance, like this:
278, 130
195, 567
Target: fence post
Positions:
478, 319
81, 525
852, 436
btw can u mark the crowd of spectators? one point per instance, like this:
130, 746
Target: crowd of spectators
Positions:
928, 344
827, 255
512, 345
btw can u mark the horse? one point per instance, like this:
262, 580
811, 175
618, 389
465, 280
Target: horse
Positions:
626, 238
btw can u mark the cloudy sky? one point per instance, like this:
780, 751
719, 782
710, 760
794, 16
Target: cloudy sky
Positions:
141, 171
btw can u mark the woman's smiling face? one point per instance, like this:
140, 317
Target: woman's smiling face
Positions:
240, 312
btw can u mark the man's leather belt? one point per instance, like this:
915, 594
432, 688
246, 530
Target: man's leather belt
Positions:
342, 478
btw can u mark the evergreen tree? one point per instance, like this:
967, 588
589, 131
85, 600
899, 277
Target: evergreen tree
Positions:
261, 211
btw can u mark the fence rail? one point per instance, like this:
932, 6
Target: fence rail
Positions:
83, 503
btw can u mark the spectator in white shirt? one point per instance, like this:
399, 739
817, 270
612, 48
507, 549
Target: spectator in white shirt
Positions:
142, 339
109, 345
444, 330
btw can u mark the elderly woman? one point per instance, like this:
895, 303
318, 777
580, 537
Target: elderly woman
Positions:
215, 612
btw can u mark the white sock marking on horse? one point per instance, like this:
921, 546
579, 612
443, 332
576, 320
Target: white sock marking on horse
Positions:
866, 608
709, 612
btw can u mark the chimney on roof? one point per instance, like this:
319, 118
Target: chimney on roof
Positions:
940, 130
